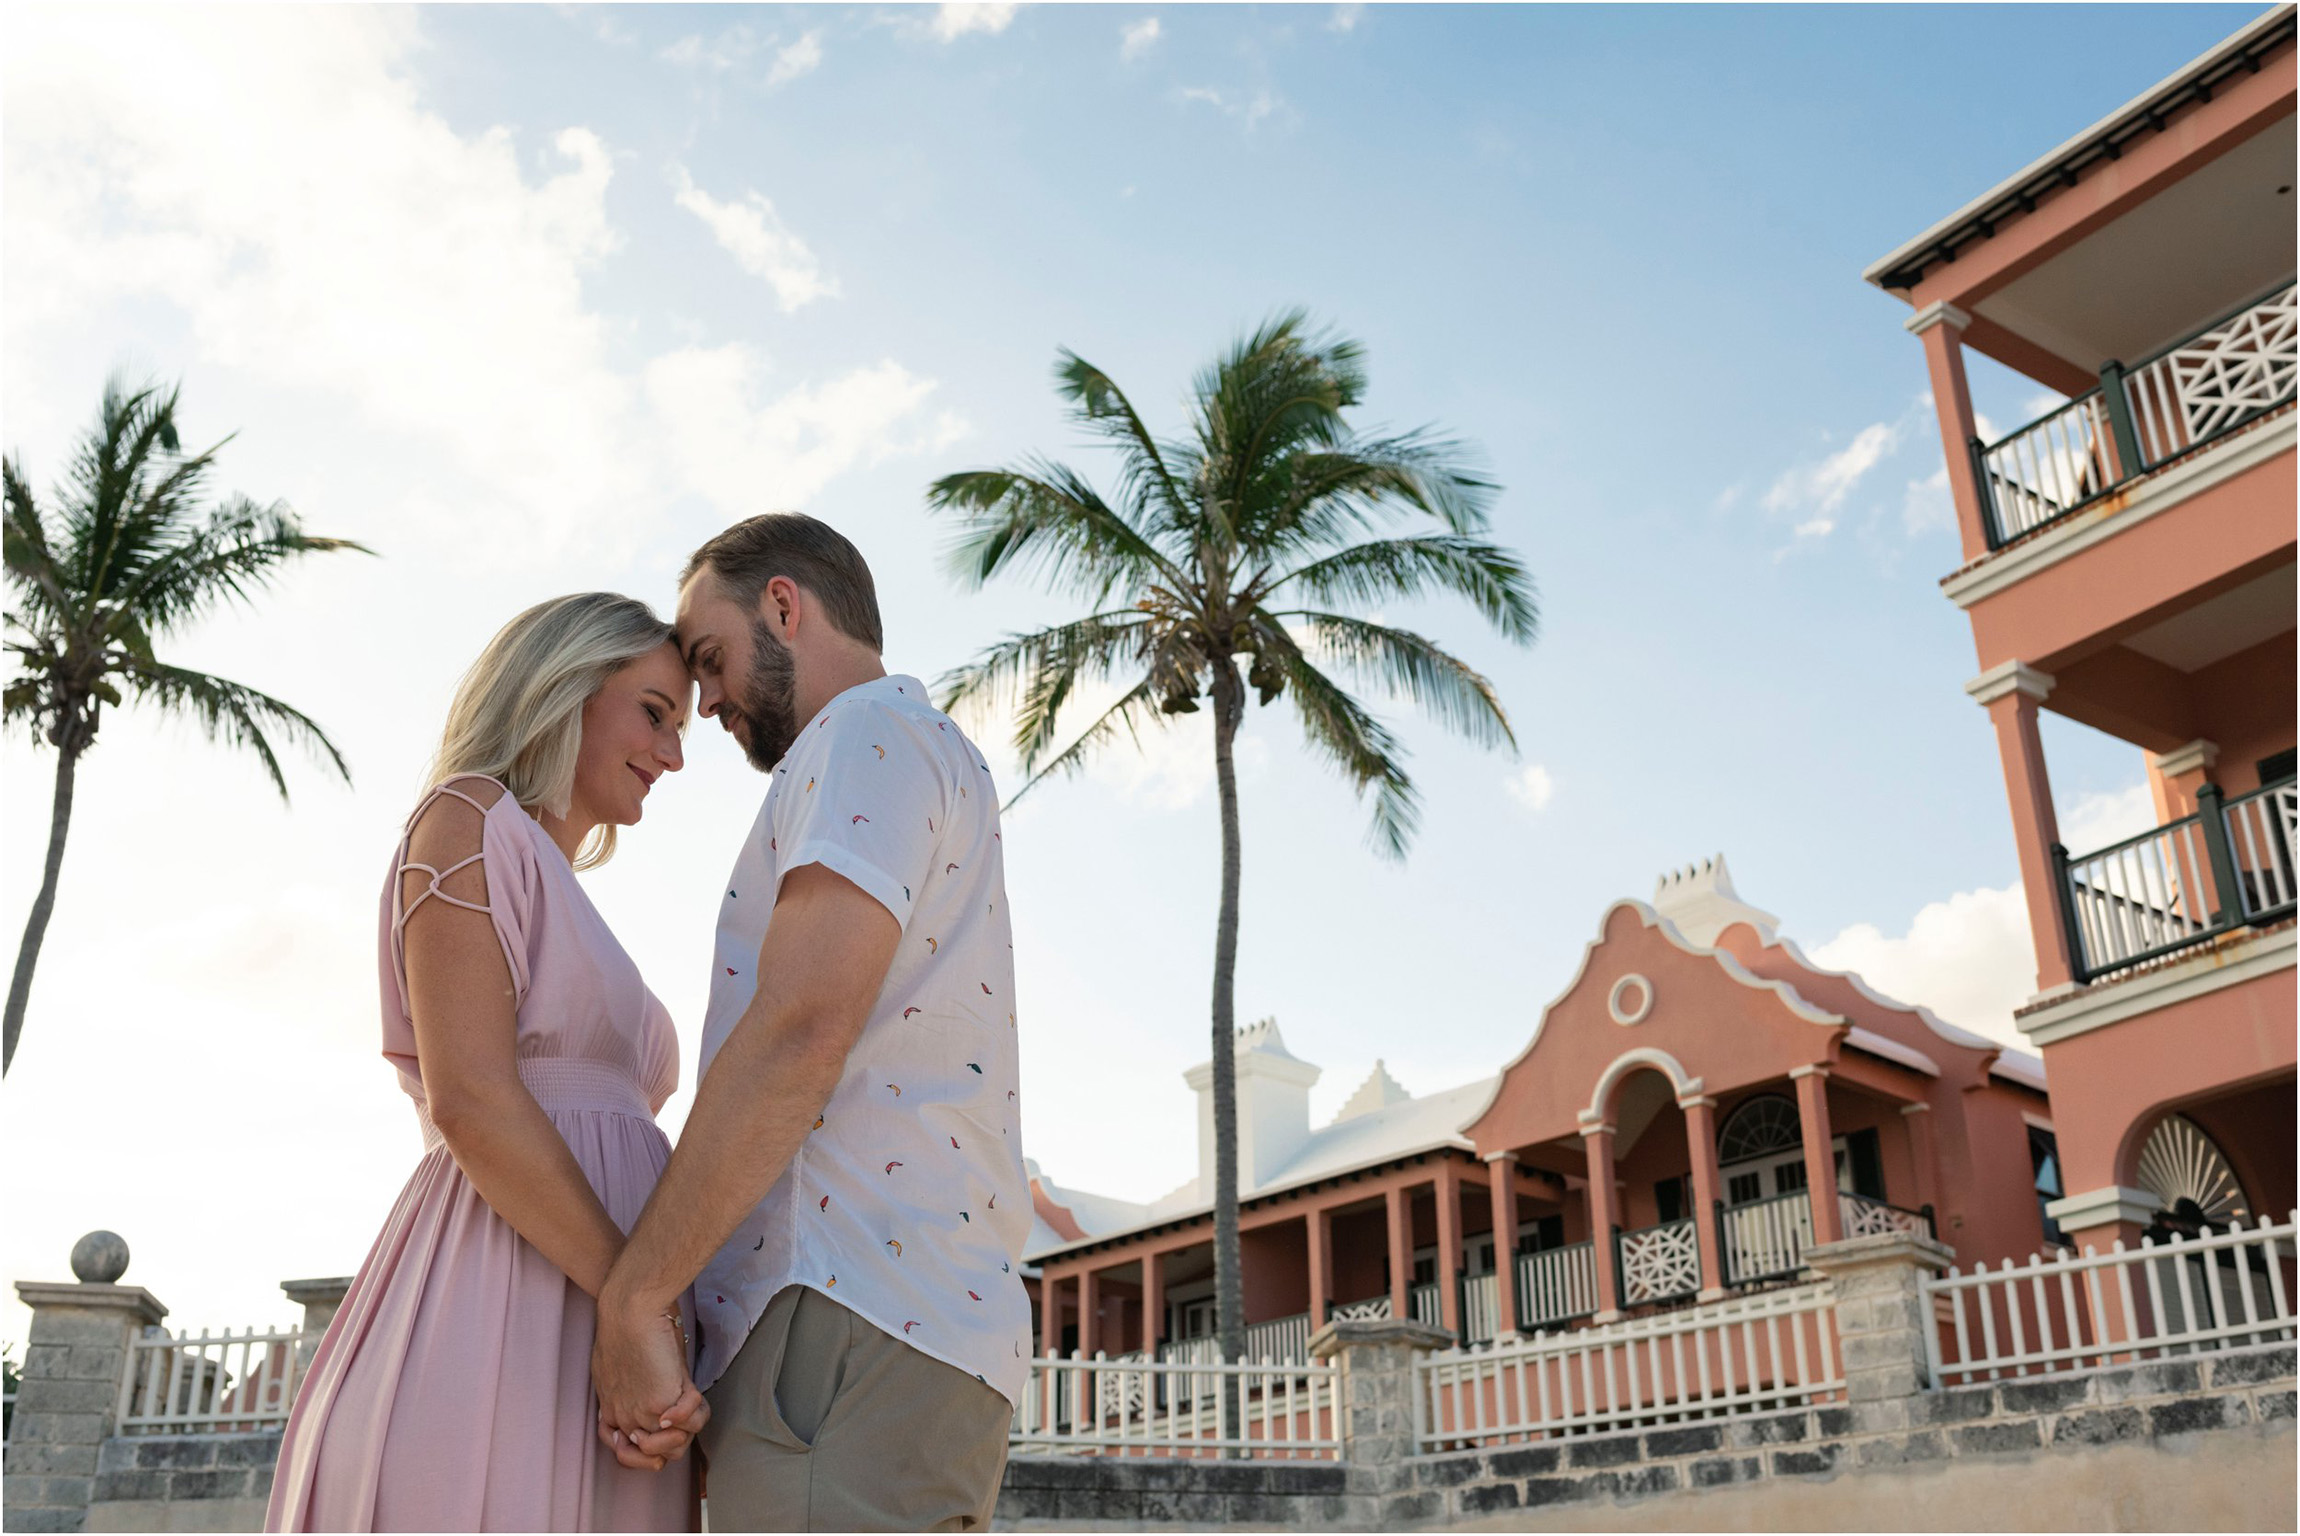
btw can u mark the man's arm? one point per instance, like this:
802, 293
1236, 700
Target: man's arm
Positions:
821, 966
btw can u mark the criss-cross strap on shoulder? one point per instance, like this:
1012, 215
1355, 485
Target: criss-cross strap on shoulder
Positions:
432, 888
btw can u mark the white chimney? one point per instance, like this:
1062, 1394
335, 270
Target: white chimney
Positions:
1273, 1108
1700, 902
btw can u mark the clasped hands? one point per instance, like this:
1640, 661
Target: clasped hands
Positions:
649, 1407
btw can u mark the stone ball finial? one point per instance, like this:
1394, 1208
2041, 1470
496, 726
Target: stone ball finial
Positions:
100, 1258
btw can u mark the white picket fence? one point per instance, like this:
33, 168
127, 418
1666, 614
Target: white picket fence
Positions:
1775, 1349
2084, 1312
209, 1383
1137, 1407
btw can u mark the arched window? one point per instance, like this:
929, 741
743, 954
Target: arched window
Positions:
1763, 1126
2185, 1168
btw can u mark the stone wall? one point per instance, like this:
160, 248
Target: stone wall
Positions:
2163, 1422
183, 1482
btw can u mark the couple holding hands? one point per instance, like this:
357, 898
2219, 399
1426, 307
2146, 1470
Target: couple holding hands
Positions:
819, 1286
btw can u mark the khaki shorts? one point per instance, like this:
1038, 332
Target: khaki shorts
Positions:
824, 1423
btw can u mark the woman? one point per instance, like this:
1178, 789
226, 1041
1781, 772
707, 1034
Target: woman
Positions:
453, 1389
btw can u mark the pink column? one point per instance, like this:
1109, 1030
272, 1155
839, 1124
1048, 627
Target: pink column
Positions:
1049, 1313
1089, 1314
1501, 1187
1820, 1153
1449, 1247
1918, 1119
2011, 693
1701, 1143
1401, 1252
1604, 1213
1941, 328
1153, 1303
1319, 1225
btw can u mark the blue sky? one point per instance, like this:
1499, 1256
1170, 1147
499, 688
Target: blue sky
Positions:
534, 299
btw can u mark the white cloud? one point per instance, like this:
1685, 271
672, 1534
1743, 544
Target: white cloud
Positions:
1345, 18
728, 50
1135, 39
1532, 787
799, 58
1250, 110
752, 234
1926, 506
2107, 816
1823, 486
1969, 959
953, 20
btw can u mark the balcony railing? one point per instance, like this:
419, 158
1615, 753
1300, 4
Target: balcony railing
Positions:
1657, 1263
2224, 376
1556, 1285
2181, 884
1765, 1239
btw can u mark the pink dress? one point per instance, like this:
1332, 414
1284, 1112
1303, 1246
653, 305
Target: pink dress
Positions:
453, 1390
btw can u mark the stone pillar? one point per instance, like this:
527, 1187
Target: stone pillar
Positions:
1941, 328
1401, 1232
1701, 1144
67, 1404
1501, 1188
1883, 1322
1604, 1213
1319, 1225
1376, 1397
2011, 692
1820, 1153
1448, 1193
1917, 1119
319, 1299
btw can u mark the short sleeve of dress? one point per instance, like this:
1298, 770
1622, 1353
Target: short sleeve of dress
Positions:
867, 797
505, 854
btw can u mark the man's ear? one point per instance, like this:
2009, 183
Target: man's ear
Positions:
779, 605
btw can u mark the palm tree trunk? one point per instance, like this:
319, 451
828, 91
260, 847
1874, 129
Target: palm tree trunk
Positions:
1229, 1288
36, 926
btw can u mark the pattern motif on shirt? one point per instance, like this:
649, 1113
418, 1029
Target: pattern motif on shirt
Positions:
901, 1200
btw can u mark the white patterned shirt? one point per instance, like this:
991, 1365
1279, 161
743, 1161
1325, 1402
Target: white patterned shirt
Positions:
907, 1202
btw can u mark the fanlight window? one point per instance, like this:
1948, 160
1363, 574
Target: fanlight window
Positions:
2182, 1167
1760, 1128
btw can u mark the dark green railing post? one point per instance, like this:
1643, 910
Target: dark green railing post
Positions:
1724, 1253
1932, 1227
2129, 461
1620, 1285
2072, 931
2209, 811
1992, 525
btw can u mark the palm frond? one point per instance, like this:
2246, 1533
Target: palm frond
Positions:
1412, 667
237, 552
1100, 405
229, 712
1046, 517
1493, 579
1341, 730
1133, 710
1042, 668
30, 561
1359, 485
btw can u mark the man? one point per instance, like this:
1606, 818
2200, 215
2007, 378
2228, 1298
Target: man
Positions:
848, 1196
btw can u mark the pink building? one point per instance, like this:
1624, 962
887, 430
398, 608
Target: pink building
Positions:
2129, 564
1699, 1105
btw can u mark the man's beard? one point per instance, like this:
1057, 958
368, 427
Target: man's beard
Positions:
770, 702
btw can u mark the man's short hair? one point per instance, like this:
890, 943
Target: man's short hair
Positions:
808, 551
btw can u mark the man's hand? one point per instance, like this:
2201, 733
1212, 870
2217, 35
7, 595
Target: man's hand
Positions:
649, 1410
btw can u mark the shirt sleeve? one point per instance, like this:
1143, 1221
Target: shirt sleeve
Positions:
867, 798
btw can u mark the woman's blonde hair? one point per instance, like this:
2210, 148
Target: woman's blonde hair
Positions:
518, 713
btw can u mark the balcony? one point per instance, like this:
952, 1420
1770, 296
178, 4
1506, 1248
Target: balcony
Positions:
2183, 884
2186, 397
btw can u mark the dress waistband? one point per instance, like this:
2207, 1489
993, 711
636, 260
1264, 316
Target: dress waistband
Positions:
564, 1083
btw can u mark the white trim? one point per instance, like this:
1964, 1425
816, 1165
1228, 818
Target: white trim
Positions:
1814, 1069
1920, 1107
1591, 1128
1931, 1020
2019, 1067
2215, 966
2191, 758
2095, 1207
1629, 1061
2010, 677
1624, 1016
2155, 493
1893, 1051
2234, 44
1697, 1101
1939, 312
2039, 1122
1499, 1157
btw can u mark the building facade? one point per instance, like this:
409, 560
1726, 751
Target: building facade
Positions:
2128, 564
1699, 1106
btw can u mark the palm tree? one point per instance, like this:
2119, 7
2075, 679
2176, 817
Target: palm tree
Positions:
1237, 543
123, 558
